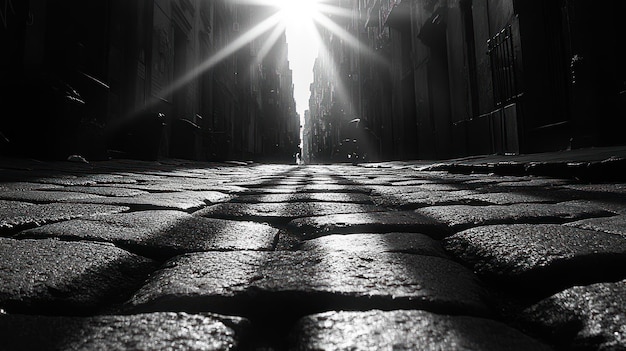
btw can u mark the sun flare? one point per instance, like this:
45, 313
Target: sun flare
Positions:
297, 12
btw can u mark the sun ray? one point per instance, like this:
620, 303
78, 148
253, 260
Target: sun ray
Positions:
334, 10
333, 75
269, 42
302, 20
228, 50
255, 32
348, 38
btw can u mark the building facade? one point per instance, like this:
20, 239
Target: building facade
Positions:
139, 79
450, 78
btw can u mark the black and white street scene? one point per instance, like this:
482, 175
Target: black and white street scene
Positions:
312, 175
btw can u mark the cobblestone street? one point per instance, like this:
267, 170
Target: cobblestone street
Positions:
181, 255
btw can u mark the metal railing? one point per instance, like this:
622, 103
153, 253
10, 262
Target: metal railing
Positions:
501, 53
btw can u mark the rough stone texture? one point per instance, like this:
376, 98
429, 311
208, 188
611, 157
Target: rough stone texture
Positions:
114, 191
181, 200
381, 222
540, 257
589, 317
325, 188
615, 206
15, 215
613, 225
441, 187
237, 282
618, 189
407, 330
67, 277
163, 234
154, 331
45, 196
536, 182
21, 186
411, 182
461, 216
510, 198
411, 243
412, 200
355, 198
67, 180
392, 190
182, 185
281, 211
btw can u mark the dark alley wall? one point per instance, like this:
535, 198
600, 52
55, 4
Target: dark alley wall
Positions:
468, 77
95, 78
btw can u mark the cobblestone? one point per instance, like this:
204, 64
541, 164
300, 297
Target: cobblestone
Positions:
225, 282
407, 330
16, 215
354, 198
180, 200
48, 196
163, 234
383, 222
66, 277
613, 225
540, 258
281, 211
412, 243
155, 331
461, 217
178, 254
584, 317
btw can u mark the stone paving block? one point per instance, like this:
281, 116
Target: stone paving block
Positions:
536, 182
242, 283
105, 190
21, 186
462, 216
412, 182
373, 180
45, 196
613, 225
66, 180
281, 211
181, 200
591, 317
354, 198
542, 257
407, 330
110, 178
615, 189
153, 331
163, 234
412, 200
183, 185
410, 243
618, 207
391, 190
509, 198
311, 188
372, 222
15, 215
442, 187
42, 276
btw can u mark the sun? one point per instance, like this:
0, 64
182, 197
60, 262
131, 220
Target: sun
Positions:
297, 12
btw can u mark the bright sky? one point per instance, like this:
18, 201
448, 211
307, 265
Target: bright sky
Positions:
302, 53
302, 39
